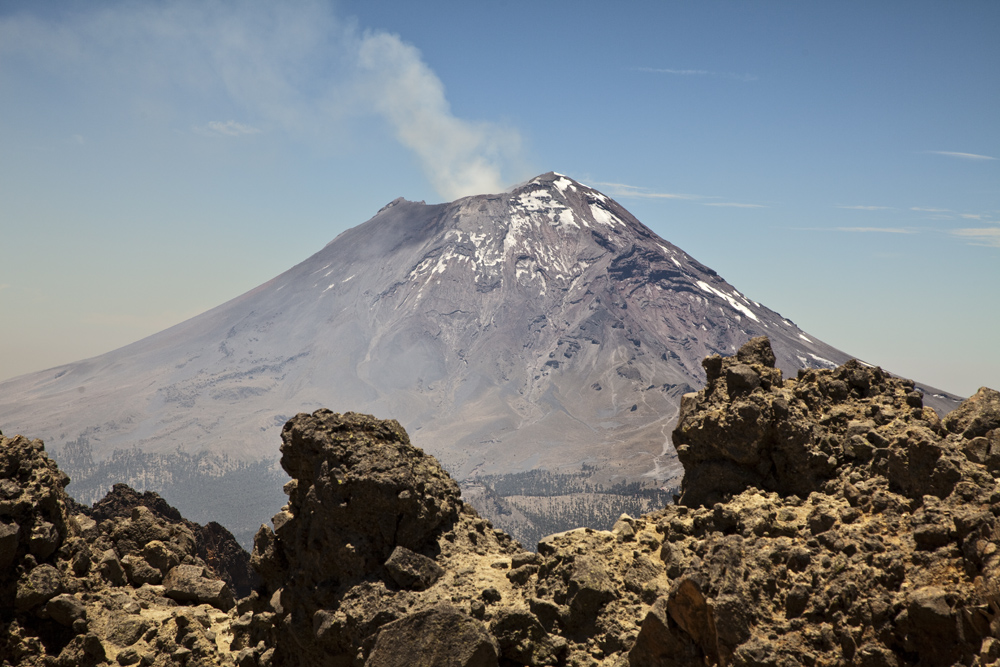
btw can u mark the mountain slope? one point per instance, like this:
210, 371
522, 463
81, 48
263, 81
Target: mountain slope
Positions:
543, 327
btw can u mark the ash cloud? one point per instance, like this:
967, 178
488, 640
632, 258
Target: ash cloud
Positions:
219, 69
459, 157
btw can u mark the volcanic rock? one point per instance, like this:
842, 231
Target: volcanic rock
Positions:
826, 519
440, 636
77, 592
212, 542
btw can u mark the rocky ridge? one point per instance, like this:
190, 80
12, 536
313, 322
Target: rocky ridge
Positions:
826, 519
127, 581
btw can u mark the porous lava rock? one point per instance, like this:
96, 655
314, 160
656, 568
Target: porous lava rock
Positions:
213, 542
362, 540
79, 592
827, 519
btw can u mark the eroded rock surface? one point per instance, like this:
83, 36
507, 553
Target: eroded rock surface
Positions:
829, 519
76, 591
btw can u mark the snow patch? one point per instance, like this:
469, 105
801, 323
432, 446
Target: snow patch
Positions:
541, 202
729, 299
562, 183
536, 200
804, 338
603, 216
823, 362
597, 195
323, 269
565, 217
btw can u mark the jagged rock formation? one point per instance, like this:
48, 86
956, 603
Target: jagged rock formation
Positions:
829, 519
213, 543
544, 328
127, 586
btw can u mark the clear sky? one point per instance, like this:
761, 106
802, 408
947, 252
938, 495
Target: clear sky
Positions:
835, 161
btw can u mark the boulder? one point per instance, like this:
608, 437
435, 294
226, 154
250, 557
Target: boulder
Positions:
139, 572
38, 586
9, 534
111, 568
661, 643
411, 570
438, 637
522, 639
192, 583
43, 540
589, 588
976, 416
66, 609
126, 630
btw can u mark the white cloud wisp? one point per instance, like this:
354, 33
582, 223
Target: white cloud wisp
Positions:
626, 191
982, 236
460, 158
964, 156
276, 67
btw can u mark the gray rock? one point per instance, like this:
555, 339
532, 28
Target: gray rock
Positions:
521, 638
589, 589
9, 533
976, 416
548, 613
65, 609
520, 575
524, 558
44, 539
160, 556
37, 587
757, 351
140, 572
411, 570
189, 583
128, 656
441, 636
741, 379
639, 572
111, 568
126, 630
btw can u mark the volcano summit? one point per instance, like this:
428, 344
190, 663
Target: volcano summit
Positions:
544, 328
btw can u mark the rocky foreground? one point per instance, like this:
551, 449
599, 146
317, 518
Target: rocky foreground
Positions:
829, 519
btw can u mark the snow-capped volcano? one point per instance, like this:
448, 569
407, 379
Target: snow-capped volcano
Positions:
544, 327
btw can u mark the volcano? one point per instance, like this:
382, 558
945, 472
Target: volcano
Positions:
522, 336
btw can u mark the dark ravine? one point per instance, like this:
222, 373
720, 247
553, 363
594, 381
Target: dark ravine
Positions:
825, 519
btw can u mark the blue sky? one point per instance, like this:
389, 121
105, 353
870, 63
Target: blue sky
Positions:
837, 162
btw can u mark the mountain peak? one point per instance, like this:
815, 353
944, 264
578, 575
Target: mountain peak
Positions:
540, 328
560, 197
